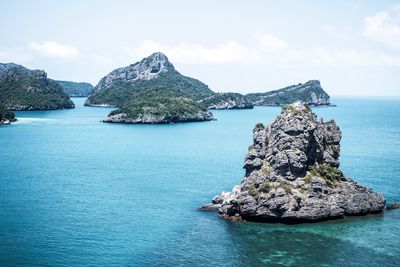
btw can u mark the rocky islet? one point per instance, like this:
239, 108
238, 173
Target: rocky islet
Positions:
292, 175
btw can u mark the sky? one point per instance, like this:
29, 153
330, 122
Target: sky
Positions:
352, 47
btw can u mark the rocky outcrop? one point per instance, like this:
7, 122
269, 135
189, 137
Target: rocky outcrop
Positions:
292, 175
6, 116
25, 89
227, 101
310, 92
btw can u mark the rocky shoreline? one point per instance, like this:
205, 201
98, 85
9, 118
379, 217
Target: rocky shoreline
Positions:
162, 119
292, 175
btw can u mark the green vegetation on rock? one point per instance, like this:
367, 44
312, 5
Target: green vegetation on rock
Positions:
153, 72
310, 92
325, 171
159, 106
24, 89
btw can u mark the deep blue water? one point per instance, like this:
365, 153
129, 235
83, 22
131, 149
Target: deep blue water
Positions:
77, 192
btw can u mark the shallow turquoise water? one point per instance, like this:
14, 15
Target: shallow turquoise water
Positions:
77, 192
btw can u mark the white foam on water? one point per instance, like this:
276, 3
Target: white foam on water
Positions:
33, 120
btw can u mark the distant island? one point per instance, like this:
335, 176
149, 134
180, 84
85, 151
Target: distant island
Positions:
310, 92
293, 176
25, 89
183, 96
76, 89
123, 88
149, 91
6, 116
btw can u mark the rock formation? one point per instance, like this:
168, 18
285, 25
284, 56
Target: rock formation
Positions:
292, 175
6, 116
310, 92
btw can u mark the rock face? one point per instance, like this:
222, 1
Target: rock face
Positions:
74, 89
292, 175
227, 101
310, 92
153, 72
25, 89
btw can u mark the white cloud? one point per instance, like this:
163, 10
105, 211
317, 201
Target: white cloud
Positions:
266, 49
194, 53
270, 41
382, 28
54, 49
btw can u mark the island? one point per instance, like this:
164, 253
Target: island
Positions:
310, 92
25, 89
76, 89
156, 72
6, 116
153, 72
122, 88
159, 107
293, 176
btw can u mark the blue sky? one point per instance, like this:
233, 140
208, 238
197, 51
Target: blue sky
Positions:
352, 47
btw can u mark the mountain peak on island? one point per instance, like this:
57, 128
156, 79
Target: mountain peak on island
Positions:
146, 69
155, 64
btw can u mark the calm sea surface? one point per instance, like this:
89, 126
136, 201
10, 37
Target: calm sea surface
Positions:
78, 192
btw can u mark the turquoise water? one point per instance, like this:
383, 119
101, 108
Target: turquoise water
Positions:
77, 192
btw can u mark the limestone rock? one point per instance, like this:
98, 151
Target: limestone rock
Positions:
292, 174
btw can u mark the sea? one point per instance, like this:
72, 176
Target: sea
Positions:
78, 192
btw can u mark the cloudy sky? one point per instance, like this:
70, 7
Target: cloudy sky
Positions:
352, 47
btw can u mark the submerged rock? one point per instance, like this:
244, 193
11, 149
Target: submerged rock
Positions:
292, 174
392, 206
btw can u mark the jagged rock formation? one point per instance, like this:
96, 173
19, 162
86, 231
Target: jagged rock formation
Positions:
74, 89
25, 89
310, 92
292, 175
153, 72
158, 107
227, 101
